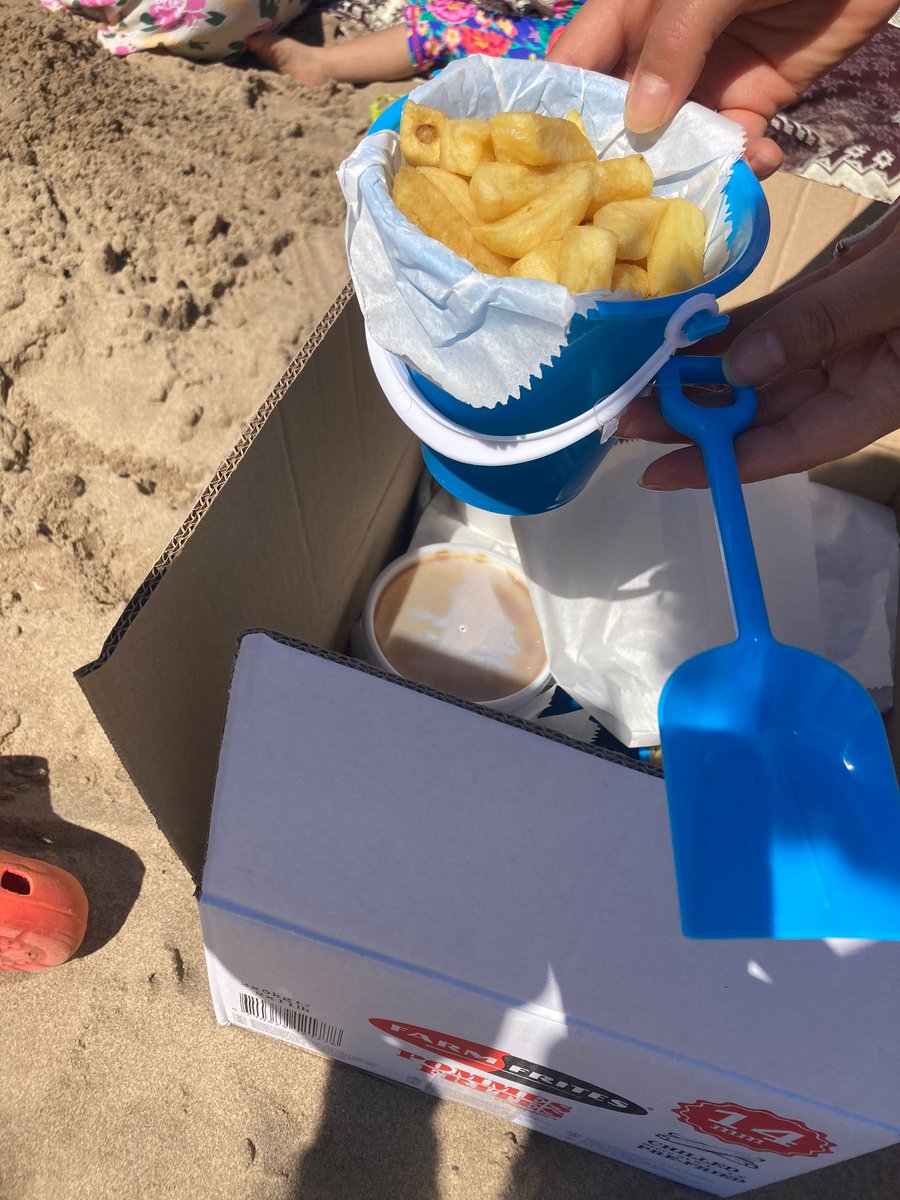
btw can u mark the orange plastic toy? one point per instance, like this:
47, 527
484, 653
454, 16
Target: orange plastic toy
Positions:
43, 914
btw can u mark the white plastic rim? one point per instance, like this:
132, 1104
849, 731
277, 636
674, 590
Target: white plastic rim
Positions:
463, 445
525, 703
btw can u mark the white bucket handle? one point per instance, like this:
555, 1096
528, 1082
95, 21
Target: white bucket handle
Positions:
506, 450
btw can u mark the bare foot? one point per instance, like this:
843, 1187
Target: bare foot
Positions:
290, 57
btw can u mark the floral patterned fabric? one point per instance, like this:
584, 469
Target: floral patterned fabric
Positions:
200, 29
447, 29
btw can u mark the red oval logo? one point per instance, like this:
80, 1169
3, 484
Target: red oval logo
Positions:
457, 1049
756, 1128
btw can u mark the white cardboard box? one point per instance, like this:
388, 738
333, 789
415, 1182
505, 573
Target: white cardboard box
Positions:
441, 896
464, 906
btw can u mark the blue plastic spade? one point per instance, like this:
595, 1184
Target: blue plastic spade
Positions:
783, 801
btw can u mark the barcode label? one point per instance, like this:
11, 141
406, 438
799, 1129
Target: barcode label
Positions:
291, 1018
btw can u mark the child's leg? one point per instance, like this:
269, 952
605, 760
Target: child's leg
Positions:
374, 56
429, 36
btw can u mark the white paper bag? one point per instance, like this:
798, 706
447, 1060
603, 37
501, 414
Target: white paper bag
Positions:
629, 583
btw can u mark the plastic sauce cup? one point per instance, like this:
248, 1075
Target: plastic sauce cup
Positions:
458, 619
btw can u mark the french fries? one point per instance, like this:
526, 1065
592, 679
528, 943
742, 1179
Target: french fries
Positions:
525, 195
616, 179
455, 190
538, 141
575, 117
620, 179
675, 260
465, 144
629, 277
587, 259
422, 203
562, 204
420, 134
634, 224
540, 263
499, 188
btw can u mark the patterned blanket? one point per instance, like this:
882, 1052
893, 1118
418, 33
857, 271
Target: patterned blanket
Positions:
846, 129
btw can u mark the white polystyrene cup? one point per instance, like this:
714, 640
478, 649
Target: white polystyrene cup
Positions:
496, 526
525, 703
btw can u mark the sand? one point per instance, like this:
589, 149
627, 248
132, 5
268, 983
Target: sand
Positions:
170, 232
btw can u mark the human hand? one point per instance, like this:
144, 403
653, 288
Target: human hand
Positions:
825, 353
745, 58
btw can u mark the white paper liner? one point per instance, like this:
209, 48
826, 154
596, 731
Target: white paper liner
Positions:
479, 337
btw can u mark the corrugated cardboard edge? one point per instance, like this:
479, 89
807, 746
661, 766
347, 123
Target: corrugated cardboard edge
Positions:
218, 481
807, 221
551, 735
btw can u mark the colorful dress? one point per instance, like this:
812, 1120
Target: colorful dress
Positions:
215, 29
200, 29
447, 29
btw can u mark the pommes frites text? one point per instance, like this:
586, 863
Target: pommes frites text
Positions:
525, 195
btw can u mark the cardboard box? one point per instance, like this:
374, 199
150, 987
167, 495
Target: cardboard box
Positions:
446, 897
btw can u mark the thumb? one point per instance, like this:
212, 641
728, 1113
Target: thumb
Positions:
813, 323
677, 42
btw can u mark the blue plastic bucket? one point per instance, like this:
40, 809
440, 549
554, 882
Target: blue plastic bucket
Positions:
604, 349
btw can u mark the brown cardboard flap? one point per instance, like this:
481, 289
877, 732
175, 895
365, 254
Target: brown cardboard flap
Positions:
291, 544
807, 220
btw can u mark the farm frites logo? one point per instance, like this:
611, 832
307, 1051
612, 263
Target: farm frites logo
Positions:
495, 1089
756, 1128
497, 1065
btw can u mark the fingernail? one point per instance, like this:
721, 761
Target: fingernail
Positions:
647, 103
650, 487
754, 359
763, 164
